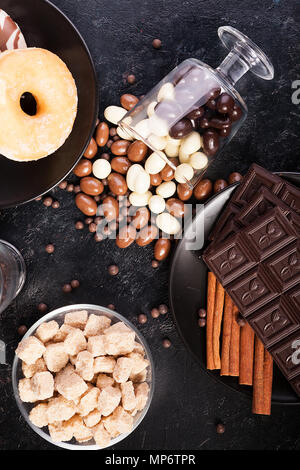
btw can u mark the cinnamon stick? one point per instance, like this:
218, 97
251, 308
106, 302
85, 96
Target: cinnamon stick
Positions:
268, 381
217, 322
211, 295
246, 355
234, 353
226, 336
258, 406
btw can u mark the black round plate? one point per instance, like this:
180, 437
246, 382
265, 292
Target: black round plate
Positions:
43, 25
187, 291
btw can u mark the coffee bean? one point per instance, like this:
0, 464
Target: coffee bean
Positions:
154, 263
166, 343
86, 204
48, 201
117, 184
175, 207
162, 249
181, 129
204, 123
110, 208
146, 235
79, 225
184, 191
70, 188
142, 318
236, 113
22, 330
50, 248
220, 428
102, 134
163, 309
167, 173
156, 180
196, 113
225, 103
234, 177
155, 313
137, 151
126, 236
128, 101
141, 218
203, 189
120, 147
55, 205
67, 288
131, 79
111, 307
91, 150
120, 164
42, 307
201, 322
75, 283
113, 270
83, 168
219, 185
91, 186
156, 43
63, 185
202, 313
210, 142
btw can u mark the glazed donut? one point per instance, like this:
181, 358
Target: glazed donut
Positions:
47, 78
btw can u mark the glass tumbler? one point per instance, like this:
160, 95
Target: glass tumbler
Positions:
190, 115
12, 273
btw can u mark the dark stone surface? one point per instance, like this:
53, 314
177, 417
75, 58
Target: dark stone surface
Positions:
187, 402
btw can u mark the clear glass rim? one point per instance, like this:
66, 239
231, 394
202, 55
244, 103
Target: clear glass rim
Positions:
51, 316
21, 263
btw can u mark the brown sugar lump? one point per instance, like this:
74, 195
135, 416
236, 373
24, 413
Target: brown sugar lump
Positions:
138, 362
104, 364
69, 384
138, 378
96, 325
141, 394
122, 369
46, 331
119, 339
77, 319
118, 422
79, 430
92, 418
109, 399
43, 385
60, 409
89, 401
84, 365
129, 401
104, 380
38, 415
138, 348
56, 357
30, 369
60, 431
30, 349
26, 392
75, 342
96, 345
101, 436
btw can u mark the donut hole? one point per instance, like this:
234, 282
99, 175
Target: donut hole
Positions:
28, 104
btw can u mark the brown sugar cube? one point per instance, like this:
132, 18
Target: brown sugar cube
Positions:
26, 392
56, 357
96, 325
109, 399
75, 342
77, 319
119, 339
30, 350
118, 422
138, 348
60, 409
141, 377
46, 331
81, 432
89, 401
92, 418
104, 380
65, 330
128, 396
30, 369
60, 431
138, 363
43, 385
69, 384
104, 364
38, 415
101, 436
141, 394
84, 365
96, 345
122, 369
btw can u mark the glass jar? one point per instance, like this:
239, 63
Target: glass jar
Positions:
190, 115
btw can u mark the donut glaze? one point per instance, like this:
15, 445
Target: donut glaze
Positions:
11, 36
47, 78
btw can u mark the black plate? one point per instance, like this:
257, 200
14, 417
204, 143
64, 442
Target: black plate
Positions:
187, 291
43, 25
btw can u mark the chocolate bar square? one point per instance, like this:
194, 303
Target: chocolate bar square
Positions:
290, 195
229, 259
287, 355
293, 298
252, 291
274, 322
284, 267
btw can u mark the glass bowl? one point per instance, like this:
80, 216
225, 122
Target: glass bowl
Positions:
17, 374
